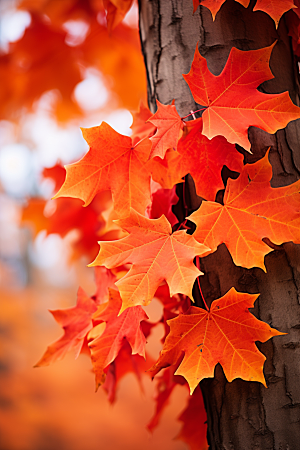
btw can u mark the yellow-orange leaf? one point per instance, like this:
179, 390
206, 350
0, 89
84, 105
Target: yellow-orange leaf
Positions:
225, 334
155, 254
252, 210
111, 163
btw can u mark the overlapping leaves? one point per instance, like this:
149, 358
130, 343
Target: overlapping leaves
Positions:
231, 100
252, 211
156, 254
167, 148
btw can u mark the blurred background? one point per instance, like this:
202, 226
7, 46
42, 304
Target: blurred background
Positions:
64, 64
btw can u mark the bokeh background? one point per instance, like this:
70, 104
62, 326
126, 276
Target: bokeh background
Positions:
61, 69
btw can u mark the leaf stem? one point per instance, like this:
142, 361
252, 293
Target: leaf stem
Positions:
192, 113
182, 225
199, 285
183, 198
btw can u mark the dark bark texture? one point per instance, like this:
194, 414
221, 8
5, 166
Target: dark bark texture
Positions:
241, 415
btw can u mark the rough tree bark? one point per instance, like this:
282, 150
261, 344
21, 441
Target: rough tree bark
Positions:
241, 415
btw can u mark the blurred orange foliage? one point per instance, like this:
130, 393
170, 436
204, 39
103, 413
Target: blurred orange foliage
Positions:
43, 60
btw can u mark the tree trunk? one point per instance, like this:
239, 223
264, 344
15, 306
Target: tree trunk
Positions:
241, 415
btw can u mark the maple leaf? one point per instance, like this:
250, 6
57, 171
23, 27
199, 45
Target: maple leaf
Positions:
104, 279
252, 211
111, 163
225, 334
168, 171
155, 254
169, 126
274, 8
141, 128
162, 201
106, 346
194, 428
204, 159
215, 5
232, 99
76, 323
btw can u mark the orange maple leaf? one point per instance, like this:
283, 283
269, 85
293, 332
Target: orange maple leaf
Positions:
156, 254
106, 345
111, 163
252, 211
76, 323
225, 334
232, 100
169, 126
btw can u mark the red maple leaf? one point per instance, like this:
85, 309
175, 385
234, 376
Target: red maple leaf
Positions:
232, 100
201, 157
204, 159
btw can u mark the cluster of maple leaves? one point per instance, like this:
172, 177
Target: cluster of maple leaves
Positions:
128, 186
